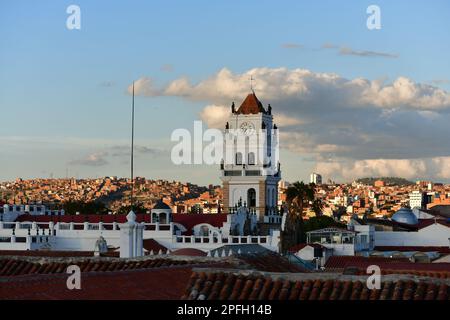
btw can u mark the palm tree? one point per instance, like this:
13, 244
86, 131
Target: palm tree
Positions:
299, 197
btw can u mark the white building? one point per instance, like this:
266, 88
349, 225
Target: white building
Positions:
405, 229
423, 232
344, 242
315, 178
416, 199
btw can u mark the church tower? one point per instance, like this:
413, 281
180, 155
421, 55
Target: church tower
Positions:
250, 170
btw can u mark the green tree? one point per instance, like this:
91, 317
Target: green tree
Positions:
321, 222
299, 197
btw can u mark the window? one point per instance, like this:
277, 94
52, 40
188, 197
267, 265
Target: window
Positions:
238, 158
251, 158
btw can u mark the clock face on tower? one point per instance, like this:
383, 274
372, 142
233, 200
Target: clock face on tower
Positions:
247, 128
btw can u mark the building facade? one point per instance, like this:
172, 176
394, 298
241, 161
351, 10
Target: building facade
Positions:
250, 170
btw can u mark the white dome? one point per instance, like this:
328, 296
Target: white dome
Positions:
406, 216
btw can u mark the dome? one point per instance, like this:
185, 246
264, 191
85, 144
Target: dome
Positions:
161, 205
406, 216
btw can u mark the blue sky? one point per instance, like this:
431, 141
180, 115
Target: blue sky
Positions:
63, 92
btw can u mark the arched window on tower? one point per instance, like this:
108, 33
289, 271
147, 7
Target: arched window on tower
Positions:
238, 158
251, 158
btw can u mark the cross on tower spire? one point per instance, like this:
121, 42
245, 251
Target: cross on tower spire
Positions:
251, 83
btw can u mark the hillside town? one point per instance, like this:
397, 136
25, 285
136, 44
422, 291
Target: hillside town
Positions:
340, 201
113, 192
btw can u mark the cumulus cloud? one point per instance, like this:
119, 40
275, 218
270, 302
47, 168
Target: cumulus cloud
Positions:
442, 167
404, 91
440, 81
215, 115
347, 169
365, 126
96, 159
301, 86
144, 87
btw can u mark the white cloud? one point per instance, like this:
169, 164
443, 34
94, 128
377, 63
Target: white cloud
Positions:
283, 120
442, 165
367, 127
96, 159
435, 168
405, 92
144, 87
214, 115
302, 86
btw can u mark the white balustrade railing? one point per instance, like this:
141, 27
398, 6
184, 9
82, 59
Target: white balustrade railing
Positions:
223, 240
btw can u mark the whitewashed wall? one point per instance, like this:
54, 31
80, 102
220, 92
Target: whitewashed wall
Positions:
433, 235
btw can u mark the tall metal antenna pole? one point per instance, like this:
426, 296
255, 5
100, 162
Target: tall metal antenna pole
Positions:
132, 150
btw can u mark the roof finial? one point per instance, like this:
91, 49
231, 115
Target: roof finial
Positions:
251, 83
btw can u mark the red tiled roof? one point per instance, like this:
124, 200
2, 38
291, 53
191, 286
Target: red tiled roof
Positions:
423, 223
342, 262
251, 105
15, 267
156, 284
189, 252
413, 248
153, 245
191, 220
388, 266
228, 286
46, 253
441, 271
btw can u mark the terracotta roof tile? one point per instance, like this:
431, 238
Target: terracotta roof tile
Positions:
153, 245
135, 284
413, 248
16, 266
251, 105
214, 286
342, 262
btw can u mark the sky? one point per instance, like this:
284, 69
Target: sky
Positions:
350, 102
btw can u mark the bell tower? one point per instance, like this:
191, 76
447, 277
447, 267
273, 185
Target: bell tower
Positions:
250, 170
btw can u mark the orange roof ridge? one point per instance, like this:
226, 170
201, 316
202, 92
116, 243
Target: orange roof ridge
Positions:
251, 105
